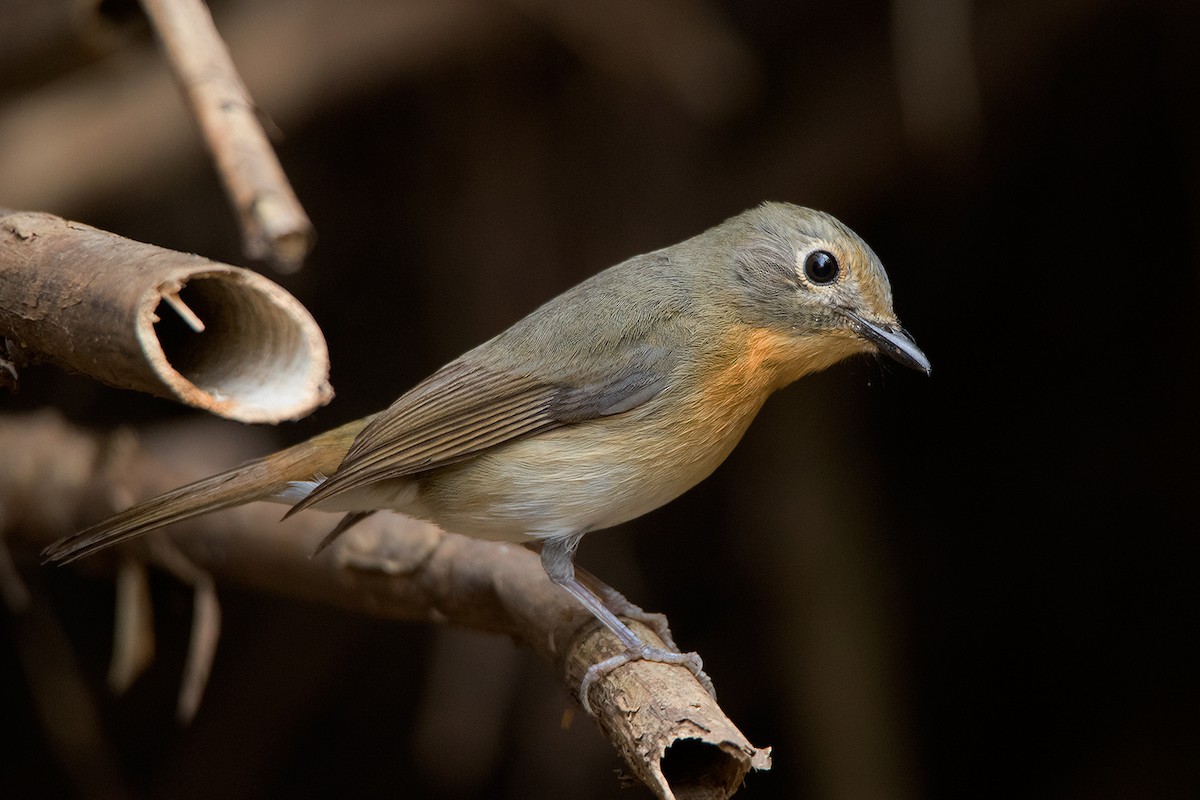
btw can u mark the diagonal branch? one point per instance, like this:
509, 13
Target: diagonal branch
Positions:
274, 225
657, 716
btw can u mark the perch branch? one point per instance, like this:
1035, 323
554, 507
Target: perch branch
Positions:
126, 313
274, 225
657, 716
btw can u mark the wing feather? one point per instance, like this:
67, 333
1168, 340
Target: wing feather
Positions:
456, 413
605, 361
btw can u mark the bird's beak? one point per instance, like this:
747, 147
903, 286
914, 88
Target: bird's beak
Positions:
891, 340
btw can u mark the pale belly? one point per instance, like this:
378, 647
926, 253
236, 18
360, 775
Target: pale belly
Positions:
574, 479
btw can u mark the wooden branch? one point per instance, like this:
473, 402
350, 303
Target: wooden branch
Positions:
222, 339
658, 717
274, 225
136, 135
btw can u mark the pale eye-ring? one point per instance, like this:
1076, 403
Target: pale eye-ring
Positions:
821, 267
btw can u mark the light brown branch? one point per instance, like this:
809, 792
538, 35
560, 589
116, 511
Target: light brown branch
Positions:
657, 716
206, 624
106, 306
274, 225
136, 135
133, 627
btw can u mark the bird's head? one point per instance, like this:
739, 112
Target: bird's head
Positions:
815, 286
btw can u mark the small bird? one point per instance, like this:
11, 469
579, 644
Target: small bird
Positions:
603, 404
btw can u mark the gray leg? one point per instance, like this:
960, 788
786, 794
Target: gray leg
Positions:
558, 561
617, 603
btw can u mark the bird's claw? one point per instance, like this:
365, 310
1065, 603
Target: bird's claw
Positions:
644, 653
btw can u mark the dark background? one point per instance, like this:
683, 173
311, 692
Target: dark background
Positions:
980, 584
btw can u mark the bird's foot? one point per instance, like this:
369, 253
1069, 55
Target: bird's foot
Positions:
653, 620
644, 653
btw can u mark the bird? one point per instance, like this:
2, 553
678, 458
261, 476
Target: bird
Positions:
601, 405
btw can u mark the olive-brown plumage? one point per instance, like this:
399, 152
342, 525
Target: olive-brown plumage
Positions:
606, 402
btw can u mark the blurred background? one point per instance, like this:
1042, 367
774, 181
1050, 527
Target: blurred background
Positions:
980, 584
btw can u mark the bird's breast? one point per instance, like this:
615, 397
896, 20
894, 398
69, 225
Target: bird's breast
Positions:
605, 471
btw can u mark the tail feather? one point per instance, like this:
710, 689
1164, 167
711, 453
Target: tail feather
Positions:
244, 484
256, 480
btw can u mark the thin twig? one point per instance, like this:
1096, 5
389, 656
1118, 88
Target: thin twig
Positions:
133, 631
274, 225
206, 625
190, 317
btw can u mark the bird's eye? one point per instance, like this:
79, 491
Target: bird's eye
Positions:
821, 267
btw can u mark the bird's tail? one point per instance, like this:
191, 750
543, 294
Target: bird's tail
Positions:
257, 480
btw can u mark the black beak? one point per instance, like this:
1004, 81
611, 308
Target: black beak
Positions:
892, 341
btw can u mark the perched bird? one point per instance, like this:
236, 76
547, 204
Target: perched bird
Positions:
608, 401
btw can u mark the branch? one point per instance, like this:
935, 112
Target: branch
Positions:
219, 338
274, 225
657, 716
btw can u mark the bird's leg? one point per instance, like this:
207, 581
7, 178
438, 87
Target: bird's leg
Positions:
557, 560
622, 607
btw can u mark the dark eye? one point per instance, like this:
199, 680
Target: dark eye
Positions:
821, 267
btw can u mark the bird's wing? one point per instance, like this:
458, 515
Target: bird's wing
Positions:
464, 409
604, 347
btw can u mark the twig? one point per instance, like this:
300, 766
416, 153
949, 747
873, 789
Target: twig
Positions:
133, 630
186, 314
206, 625
89, 301
136, 139
657, 716
274, 225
